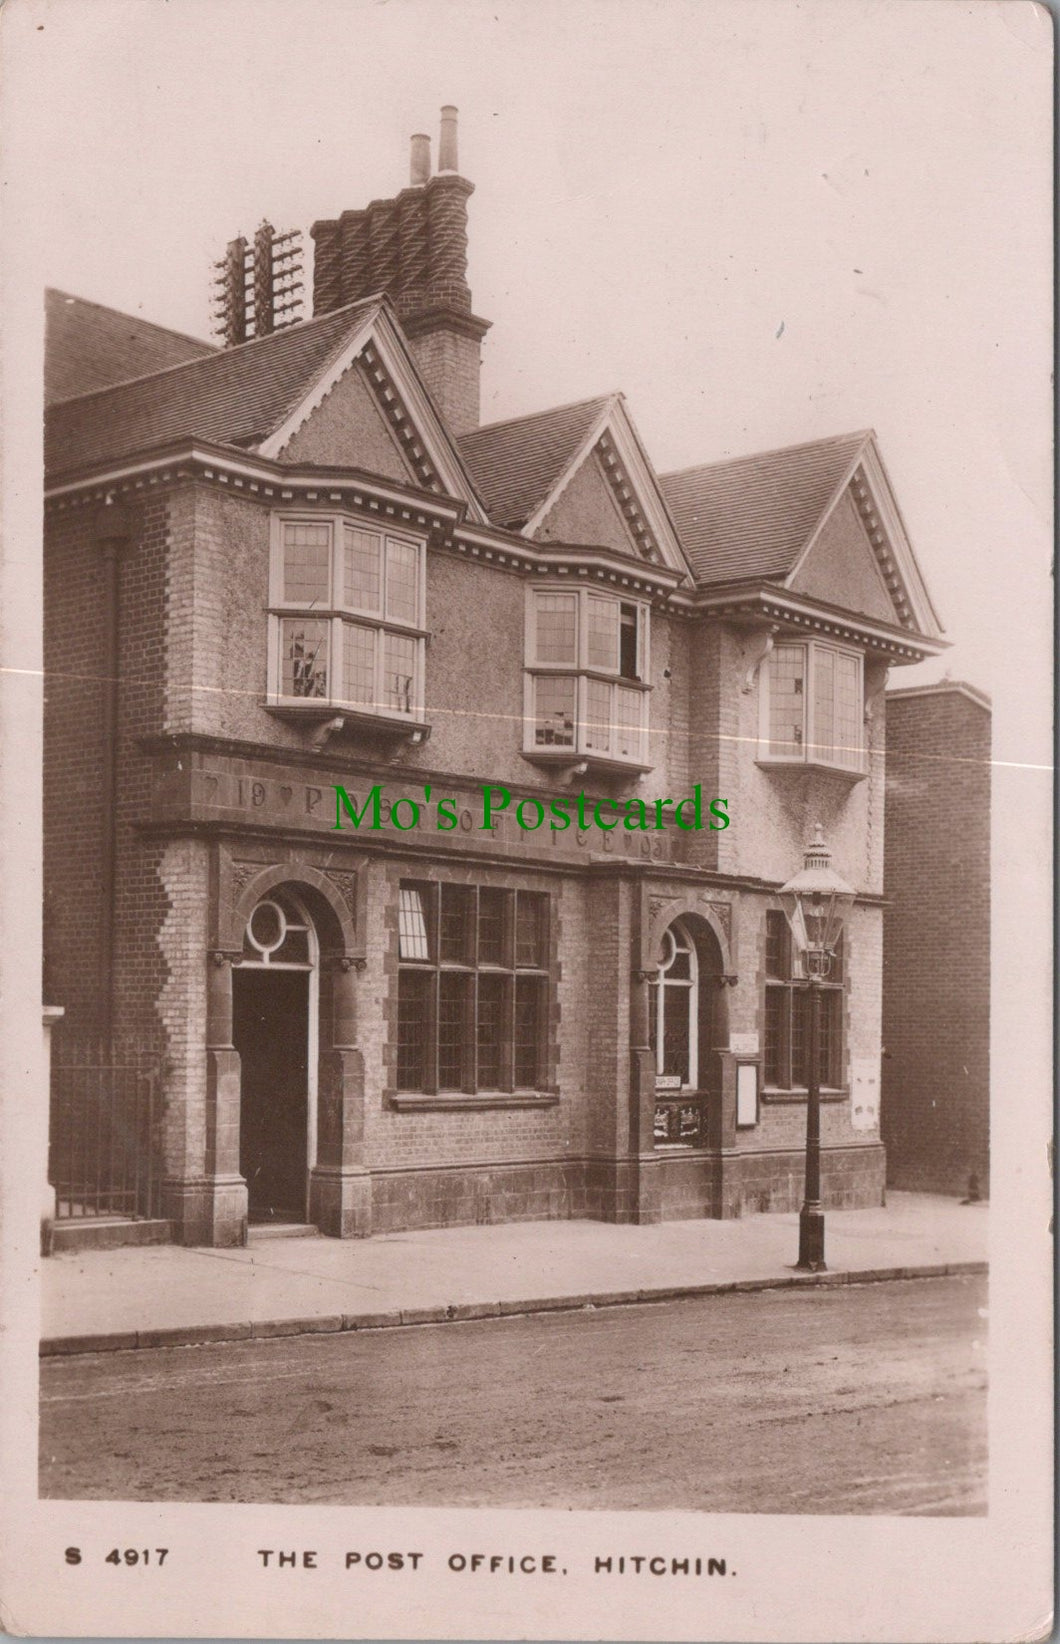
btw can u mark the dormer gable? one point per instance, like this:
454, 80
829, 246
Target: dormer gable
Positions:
860, 557
819, 520
577, 474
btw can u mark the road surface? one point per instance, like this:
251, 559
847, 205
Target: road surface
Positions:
862, 1399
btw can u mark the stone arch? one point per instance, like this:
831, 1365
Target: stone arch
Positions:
686, 907
330, 911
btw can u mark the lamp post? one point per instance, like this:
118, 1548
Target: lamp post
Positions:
815, 901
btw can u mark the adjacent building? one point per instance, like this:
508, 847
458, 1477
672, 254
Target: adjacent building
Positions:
299, 564
935, 1112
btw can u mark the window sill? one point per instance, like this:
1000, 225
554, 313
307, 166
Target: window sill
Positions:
336, 717
453, 1101
817, 766
802, 1095
589, 762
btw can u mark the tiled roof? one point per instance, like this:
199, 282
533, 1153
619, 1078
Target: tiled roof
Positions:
88, 346
515, 464
752, 517
236, 396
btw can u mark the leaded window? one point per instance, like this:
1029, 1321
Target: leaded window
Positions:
787, 1015
346, 621
812, 706
473, 988
587, 675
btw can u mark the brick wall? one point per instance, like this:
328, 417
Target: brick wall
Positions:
936, 985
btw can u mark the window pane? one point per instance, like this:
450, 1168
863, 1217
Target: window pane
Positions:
454, 935
556, 637
492, 934
554, 712
414, 992
305, 563
847, 712
454, 1001
492, 1030
531, 929
800, 1035
359, 647
598, 715
602, 638
629, 738
412, 923
529, 1031
778, 951
787, 701
628, 658
362, 585
399, 673
675, 1008
304, 657
831, 1013
775, 1068
402, 581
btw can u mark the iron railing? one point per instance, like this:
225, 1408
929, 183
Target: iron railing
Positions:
103, 1152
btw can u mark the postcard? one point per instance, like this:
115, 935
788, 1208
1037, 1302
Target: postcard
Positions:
527, 819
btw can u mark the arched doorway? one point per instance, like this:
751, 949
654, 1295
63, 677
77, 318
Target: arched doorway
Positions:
685, 1031
275, 1030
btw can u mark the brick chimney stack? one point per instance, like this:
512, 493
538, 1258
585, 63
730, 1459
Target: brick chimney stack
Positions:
414, 248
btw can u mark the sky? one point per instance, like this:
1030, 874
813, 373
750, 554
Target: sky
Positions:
764, 221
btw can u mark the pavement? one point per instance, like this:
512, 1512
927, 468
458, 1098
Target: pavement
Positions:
164, 1295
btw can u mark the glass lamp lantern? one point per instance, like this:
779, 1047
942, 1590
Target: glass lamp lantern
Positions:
815, 902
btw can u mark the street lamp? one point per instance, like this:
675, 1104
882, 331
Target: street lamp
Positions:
815, 901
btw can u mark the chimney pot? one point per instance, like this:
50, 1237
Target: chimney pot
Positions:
447, 160
420, 170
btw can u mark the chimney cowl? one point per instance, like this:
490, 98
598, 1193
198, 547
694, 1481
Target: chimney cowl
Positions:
420, 166
447, 151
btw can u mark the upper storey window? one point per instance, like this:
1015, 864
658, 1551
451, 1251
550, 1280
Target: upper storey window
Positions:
587, 677
812, 707
346, 617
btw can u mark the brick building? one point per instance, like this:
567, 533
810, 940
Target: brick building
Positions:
935, 1110
299, 563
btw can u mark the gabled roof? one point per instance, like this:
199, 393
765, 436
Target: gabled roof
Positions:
257, 395
522, 468
89, 346
759, 518
516, 464
753, 516
236, 396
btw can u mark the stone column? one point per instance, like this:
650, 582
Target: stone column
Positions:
340, 1197
647, 1204
212, 1209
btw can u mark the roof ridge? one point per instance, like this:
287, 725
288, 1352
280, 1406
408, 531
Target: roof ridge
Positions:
529, 416
217, 353
774, 451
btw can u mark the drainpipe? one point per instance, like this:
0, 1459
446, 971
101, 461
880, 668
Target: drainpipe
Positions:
112, 529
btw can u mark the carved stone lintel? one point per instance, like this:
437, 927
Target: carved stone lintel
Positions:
347, 962
645, 975
225, 956
346, 884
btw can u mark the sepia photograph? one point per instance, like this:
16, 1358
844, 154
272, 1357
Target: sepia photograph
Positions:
540, 557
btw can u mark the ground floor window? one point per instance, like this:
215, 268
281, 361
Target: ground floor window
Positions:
473, 988
787, 1016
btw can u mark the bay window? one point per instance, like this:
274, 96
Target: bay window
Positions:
812, 710
346, 617
587, 688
